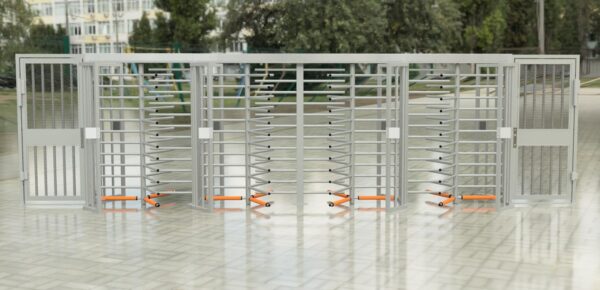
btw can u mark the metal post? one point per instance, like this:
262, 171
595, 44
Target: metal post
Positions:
195, 124
247, 156
300, 138
142, 134
456, 134
403, 124
388, 116
352, 132
209, 123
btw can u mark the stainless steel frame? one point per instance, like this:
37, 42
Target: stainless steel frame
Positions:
416, 123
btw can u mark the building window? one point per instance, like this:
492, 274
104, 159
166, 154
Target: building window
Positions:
76, 48
133, 5
90, 48
130, 25
118, 6
90, 29
103, 6
59, 9
103, 27
75, 29
74, 8
44, 9
89, 5
104, 48
119, 26
119, 47
148, 4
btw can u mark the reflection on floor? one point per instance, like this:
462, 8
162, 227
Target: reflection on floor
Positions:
468, 246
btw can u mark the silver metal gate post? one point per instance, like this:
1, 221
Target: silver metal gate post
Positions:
300, 138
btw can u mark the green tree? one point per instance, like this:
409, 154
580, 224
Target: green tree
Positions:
162, 33
45, 39
190, 23
423, 26
257, 21
15, 19
484, 24
336, 26
142, 33
521, 26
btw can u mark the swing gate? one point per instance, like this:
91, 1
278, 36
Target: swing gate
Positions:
126, 129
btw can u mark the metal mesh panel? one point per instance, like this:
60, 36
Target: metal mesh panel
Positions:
545, 95
543, 171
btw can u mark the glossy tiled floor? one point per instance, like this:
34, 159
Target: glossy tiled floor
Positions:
470, 246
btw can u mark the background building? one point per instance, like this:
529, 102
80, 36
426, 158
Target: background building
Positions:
104, 26
95, 26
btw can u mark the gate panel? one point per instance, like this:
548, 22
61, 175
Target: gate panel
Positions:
49, 127
545, 119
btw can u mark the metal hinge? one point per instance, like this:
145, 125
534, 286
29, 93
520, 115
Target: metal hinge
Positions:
514, 137
574, 175
22, 176
20, 100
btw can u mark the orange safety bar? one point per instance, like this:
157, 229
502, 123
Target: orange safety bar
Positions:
152, 201
442, 194
155, 195
338, 202
478, 197
258, 194
119, 197
374, 197
343, 195
260, 201
447, 201
227, 197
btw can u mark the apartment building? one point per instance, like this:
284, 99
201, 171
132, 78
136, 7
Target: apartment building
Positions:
104, 26
95, 26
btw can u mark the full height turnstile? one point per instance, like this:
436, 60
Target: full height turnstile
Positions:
125, 130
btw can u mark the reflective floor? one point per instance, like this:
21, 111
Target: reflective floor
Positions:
468, 246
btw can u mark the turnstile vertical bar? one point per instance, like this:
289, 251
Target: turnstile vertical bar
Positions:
378, 127
300, 138
44, 125
53, 126
141, 105
455, 158
220, 71
73, 123
352, 132
532, 149
22, 121
523, 125
195, 143
63, 119
403, 115
388, 123
209, 123
543, 126
500, 72
247, 156
553, 95
478, 71
122, 127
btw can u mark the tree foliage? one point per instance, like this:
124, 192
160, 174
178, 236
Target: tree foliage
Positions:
19, 34
335, 26
189, 23
142, 35
257, 21
423, 26
15, 18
